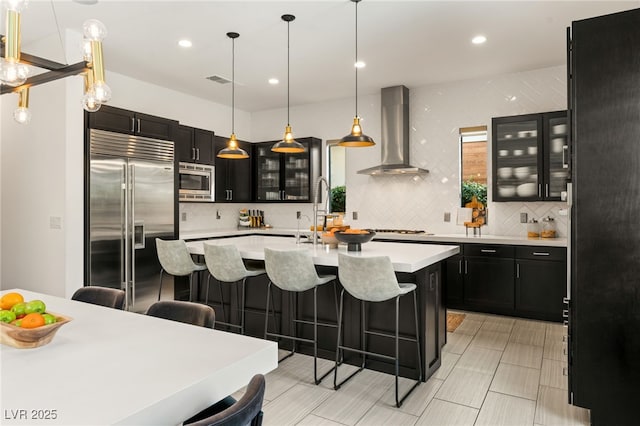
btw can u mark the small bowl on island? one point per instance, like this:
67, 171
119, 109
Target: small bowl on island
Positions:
354, 238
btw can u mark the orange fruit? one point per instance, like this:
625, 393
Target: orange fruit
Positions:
8, 300
32, 320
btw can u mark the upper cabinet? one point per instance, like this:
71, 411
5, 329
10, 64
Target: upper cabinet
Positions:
194, 145
233, 177
530, 157
132, 123
286, 177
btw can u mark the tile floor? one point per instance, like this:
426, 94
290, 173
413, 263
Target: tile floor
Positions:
495, 370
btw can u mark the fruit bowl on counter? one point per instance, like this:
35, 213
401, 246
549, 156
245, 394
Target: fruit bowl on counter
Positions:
27, 338
354, 238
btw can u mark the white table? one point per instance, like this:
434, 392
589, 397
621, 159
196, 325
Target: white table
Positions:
404, 257
114, 367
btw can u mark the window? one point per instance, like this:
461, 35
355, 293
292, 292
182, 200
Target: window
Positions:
336, 159
473, 164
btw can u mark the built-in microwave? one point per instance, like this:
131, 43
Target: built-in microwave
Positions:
196, 182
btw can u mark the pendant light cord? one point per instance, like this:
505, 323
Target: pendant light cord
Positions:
233, 84
356, 64
288, 82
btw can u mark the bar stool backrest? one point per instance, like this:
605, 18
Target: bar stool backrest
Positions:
224, 262
174, 257
290, 270
368, 278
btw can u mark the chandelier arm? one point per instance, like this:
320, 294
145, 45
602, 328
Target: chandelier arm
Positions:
67, 71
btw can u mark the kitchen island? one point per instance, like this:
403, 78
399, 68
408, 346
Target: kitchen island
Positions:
419, 264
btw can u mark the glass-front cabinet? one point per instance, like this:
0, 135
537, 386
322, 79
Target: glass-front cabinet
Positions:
530, 157
286, 177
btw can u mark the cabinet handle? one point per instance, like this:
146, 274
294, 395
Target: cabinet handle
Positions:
539, 190
517, 270
565, 313
487, 251
541, 253
546, 189
565, 163
198, 153
465, 266
231, 195
565, 371
460, 267
565, 352
138, 125
133, 125
193, 153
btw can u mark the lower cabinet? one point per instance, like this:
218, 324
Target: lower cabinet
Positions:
521, 281
541, 282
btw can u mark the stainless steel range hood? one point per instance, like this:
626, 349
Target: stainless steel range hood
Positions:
395, 135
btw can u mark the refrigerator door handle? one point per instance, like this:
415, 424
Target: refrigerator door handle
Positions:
124, 285
132, 192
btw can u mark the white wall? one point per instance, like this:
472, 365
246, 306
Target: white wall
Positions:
437, 112
42, 171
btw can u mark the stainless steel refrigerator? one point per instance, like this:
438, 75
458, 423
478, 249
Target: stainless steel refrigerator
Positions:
131, 203
604, 307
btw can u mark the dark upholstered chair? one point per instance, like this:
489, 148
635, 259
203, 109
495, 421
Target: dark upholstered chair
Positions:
103, 296
229, 412
187, 312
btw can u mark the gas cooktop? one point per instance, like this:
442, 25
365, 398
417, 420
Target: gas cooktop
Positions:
399, 231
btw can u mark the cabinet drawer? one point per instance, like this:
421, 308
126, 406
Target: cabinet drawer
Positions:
492, 250
541, 253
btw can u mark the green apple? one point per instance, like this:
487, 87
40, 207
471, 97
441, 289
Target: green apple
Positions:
7, 316
49, 319
35, 306
19, 309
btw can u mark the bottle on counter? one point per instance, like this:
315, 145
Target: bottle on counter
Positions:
548, 228
533, 229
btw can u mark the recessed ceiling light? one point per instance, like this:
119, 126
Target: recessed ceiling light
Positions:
360, 64
185, 43
274, 81
479, 39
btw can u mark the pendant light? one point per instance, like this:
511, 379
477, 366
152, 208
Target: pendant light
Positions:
233, 151
356, 138
288, 144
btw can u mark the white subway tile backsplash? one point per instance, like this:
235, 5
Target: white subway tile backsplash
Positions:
418, 202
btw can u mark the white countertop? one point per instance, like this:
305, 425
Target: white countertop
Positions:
439, 238
404, 257
108, 366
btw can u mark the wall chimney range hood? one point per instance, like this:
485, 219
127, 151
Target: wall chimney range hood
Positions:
395, 135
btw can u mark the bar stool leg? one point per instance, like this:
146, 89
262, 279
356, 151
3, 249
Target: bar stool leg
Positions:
266, 316
363, 332
339, 358
160, 286
397, 360
242, 305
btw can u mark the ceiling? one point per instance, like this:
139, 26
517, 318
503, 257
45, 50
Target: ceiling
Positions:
415, 43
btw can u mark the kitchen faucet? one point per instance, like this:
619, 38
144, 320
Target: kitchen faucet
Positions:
299, 216
317, 199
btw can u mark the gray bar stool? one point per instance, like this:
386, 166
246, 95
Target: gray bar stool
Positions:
372, 279
293, 271
176, 260
225, 265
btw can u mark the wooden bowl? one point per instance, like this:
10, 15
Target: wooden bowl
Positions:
27, 338
354, 241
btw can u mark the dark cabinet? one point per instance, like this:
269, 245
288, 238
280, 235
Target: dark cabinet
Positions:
132, 123
286, 177
454, 290
488, 277
523, 281
604, 306
194, 145
530, 157
233, 177
541, 282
